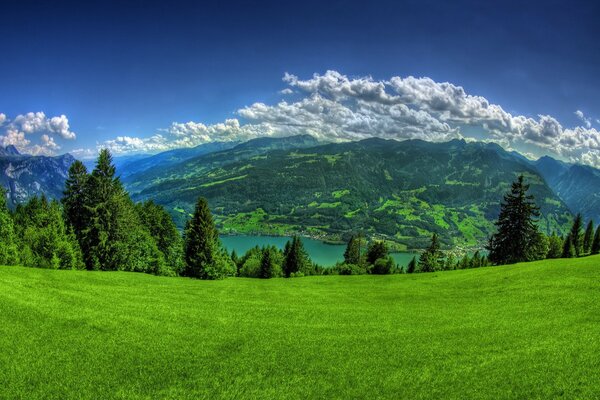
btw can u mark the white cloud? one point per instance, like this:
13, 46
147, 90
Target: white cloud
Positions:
336, 107
587, 122
21, 131
286, 91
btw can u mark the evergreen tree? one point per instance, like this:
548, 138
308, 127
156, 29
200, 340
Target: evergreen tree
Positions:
267, 267
353, 254
114, 237
568, 248
164, 232
376, 250
295, 258
576, 236
517, 229
412, 266
588, 238
8, 239
431, 259
44, 238
596, 242
204, 256
74, 197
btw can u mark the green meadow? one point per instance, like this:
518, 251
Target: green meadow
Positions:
524, 331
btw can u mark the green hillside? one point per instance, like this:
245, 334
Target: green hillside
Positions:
403, 191
521, 331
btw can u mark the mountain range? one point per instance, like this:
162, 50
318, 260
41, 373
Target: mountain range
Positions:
399, 191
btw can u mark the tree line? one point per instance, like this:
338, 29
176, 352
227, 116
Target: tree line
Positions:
96, 226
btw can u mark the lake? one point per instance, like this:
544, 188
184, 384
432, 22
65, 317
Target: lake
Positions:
321, 253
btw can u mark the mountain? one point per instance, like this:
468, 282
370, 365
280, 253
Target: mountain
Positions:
136, 181
9, 150
25, 176
171, 157
400, 191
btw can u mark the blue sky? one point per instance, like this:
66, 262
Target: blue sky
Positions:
145, 68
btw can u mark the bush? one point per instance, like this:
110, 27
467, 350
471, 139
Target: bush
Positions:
383, 266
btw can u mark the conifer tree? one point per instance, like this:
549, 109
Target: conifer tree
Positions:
568, 248
8, 240
431, 259
295, 258
353, 254
412, 266
74, 197
576, 236
266, 265
517, 230
596, 242
204, 256
588, 238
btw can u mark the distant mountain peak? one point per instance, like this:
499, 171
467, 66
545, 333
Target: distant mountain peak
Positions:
9, 150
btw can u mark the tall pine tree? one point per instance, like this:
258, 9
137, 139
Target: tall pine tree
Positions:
515, 240
74, 197
596, 242
354, 250
588, 238
204, 256
295, 258
432, 259
576, 235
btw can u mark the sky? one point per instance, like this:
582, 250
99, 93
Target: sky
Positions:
148, 76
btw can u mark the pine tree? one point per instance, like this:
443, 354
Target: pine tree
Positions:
8, 239
266, 265
576, 236
568, 248
596, 242
412, 266
295, 258
431, 259
588, 238
353, 254
204, 256
516, 226
74, 197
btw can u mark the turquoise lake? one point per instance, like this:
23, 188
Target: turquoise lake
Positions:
321, 253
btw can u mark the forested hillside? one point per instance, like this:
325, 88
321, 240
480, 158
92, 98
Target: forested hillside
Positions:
403, 191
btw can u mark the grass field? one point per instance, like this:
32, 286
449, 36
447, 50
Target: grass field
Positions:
521, 332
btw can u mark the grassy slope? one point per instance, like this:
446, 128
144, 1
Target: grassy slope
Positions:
523, 331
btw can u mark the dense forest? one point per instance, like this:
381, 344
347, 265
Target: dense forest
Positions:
96, 226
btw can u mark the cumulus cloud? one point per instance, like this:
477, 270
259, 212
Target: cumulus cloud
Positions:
335, 107
587, 122
24, 128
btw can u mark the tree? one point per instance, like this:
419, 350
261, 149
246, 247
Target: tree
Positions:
596, 242
204, 256
588, 238
8, 240
268, 268
412, 266
44, 238
568, 248
576, 236
376, 250
295, 258
164, 232
74, 197
383, 266
353, 253
555, 246
516, 227
113, 237
431, 259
